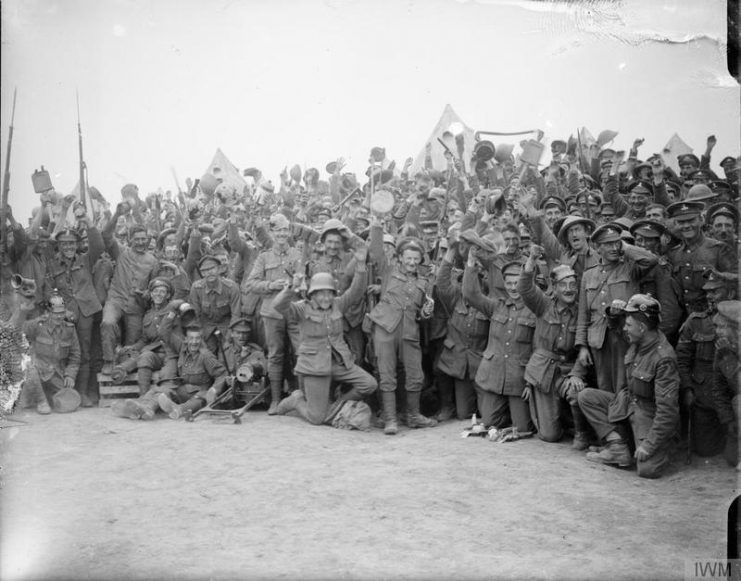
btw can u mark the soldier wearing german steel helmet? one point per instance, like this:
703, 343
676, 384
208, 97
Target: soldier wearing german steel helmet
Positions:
324, 355
645, 408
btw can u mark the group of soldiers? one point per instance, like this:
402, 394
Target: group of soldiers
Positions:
595, 298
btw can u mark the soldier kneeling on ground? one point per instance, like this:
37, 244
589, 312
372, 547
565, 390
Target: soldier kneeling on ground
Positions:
324, 355
649, 402
55, 355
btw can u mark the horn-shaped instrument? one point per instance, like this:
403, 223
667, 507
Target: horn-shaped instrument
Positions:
24, 286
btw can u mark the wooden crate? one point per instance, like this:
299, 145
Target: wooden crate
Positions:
110, 392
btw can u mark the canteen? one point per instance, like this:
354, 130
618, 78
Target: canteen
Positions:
532, 151
41, 181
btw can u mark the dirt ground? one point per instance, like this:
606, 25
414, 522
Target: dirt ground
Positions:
90, 496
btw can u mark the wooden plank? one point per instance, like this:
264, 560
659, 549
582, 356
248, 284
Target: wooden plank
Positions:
110, 389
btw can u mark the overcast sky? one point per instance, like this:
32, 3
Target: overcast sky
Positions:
165, 82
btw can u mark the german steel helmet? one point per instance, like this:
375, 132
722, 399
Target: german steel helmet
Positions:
321, 281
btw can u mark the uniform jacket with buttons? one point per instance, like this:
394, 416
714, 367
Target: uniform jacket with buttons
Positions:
554, 348
467, 332
652, 379
73, 279
54, 347
342, 269
604, 283
510, 342
132, 273
661, 285
272, 265
217, 307
150, 338
321, 332
691, 261
402, 295
197, 370
725, 386
557, 253
695, 354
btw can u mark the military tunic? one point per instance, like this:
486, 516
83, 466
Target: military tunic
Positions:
500, 376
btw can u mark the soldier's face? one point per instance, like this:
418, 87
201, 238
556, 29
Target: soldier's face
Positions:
159, 295
332, 244
655, 214
423, 186
210, 271
552, 213
686, 168
281, 235
241, 337
689, 226
58, 316
511, 242
637, 202
648, 243
193, 341
172, 253
716, 295
565, 290
140, 242
577, 236
322, 299
68, 249
610, 251
510, 285
724, 228
410, 260
633, 329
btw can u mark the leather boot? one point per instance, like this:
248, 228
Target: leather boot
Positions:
414, 418
289, 403
149, 407
446, 391
615, 452
177, 411
276, 392
581, 433
122, 370
127, 408
389, 412
144, 379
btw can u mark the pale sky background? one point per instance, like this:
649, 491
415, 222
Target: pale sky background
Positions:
272, 83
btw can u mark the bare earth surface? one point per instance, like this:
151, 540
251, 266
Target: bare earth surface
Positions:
90, 496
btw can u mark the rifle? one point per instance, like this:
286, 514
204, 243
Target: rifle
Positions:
6, 183
83, 167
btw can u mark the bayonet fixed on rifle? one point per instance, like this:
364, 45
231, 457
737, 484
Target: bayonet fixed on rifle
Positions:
6, 179
83, 167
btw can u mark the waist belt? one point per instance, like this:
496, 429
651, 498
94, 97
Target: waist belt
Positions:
555, 356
